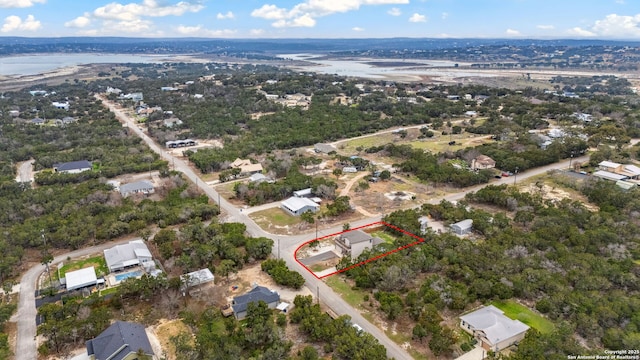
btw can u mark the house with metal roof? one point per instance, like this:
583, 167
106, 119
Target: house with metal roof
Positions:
81, 278
303, 193
257, 294
353, 243
492, 328
73, 167
138, 187
297, 206
120, 341
123, 256
462, 227
196, 278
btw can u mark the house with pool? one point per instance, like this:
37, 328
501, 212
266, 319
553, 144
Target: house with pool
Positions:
127, 256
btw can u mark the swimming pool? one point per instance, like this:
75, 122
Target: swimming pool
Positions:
125, 276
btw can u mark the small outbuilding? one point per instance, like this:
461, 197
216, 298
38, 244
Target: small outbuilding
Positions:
81, 278
462, 227
196, 278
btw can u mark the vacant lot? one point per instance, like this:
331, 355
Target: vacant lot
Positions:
276, 221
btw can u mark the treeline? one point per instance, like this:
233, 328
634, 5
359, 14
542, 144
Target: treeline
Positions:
281, 273
222, 247
71, 216
255, 194
428, 167
576, 265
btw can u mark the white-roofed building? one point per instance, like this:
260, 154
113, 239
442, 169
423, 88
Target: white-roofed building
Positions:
123, 256
302, 193
492, 328
609, 166
297, 206
81, 278
462, 227
607, 175
143, 187
196, 278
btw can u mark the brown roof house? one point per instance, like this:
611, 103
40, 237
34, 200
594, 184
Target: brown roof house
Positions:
354, 242
482, 162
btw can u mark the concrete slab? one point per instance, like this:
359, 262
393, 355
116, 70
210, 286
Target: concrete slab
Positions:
478, 353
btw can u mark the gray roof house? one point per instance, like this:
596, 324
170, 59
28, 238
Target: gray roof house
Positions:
120, 341
462, 227
123, 256
143, 187
258, 293
72, 167
323, 148
296, 206
492, 328
353, 243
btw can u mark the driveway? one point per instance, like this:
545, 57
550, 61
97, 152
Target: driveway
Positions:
478, 353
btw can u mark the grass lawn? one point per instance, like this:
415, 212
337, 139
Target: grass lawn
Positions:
355, 298
388, 238
349, 147
98, 262
516, 311
275, 216
111, 290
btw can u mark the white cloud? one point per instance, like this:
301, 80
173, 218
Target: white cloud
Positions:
149, 8
270, 12
394, 12
417, 18
618, 26
512, 32
357, 28
578, 31
256, 32
20, 3
303, 21
445, 15
79, 22
305, 13
546, 27
13, 23
228, 15
200, 31
612, 26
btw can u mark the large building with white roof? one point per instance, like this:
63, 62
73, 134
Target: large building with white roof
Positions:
492, 328
128, 255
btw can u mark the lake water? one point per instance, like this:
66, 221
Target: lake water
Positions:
361, 68
36, 64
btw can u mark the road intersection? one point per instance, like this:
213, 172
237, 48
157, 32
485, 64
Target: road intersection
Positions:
286, 246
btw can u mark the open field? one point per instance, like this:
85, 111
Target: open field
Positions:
275, 220
166, 330
388, 238
516, 311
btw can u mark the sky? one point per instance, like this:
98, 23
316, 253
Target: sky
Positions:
532, 19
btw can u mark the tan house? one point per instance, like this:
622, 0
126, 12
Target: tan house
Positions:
354, 242
246, 167
482, 162
492, 328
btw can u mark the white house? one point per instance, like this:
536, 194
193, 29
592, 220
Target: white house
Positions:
492, 328
462, 227
302, 193
123, 256
353, 243
60, 105
138, 187
196, 278
297, 206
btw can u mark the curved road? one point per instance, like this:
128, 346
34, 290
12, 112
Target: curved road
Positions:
286, 246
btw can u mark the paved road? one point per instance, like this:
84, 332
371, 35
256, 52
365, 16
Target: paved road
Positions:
26, 314
286, 247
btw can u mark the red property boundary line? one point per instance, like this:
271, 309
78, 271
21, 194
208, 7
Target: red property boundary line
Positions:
419, 240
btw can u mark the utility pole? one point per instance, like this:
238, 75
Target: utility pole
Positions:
278, 247
316, 228
45, 256
570, 160
318, 294
515, 176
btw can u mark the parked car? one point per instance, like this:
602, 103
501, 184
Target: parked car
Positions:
504, 174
